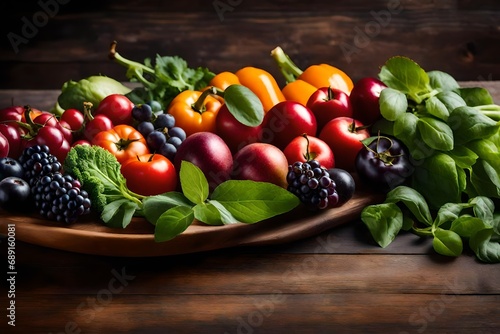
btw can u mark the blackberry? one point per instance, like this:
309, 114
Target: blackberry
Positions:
37, 161
57, 196
312, 184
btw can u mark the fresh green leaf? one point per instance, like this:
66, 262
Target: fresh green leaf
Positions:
451, 100
173, 222
119, 213
155, 206
483, 208
467, 226
413, 200
435, 133
447, 242
392, 103
100, 175
464, 157
468, 124
406, 76
207, 213
436, 108
250, 201
442, 81
476, 96
226, 216
405, 128
449, 212
244, 105
193, 182
384, 221
436, 179
486, 245
485, 179
383, 126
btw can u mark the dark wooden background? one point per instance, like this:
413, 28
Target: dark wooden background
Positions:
71, 37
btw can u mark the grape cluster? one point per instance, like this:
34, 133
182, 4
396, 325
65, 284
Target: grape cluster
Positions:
312, 184
162, 136
57, 196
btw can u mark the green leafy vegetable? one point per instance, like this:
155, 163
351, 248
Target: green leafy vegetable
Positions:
162, 79
99, 172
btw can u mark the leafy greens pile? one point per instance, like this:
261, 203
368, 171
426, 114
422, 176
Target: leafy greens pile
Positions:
452, 134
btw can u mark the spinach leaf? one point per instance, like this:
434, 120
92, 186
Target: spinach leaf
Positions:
447, 242
475, 96
393, 104
413, 200
437, 108
384, 221
173, 222
486, 245
435, 133
442, 81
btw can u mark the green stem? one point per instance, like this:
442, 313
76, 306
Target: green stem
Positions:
199, 105
422, 232
287, 67
134, 69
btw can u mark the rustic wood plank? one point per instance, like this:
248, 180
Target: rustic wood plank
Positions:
278, 312
73, 44
230, 272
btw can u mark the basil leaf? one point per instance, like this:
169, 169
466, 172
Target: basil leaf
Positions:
244, 105
468, 124
119, 213
483, 208
413, 201
392, 103
173, 222
484, 245
155, 206
405, 75
447, 242
435, 133
225, 215
467, 226
464, 157
384, 221
436, 178
449, 212
193, 182
436, 108
442, 81
207, 213
251, 201
485, 179
476, 96
451, 100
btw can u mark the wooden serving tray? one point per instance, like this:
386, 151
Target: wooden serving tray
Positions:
90, 236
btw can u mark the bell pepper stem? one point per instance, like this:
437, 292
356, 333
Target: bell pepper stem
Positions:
199, 105
287, 67
134, 69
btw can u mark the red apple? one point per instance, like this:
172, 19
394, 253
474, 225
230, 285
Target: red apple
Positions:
261, 162
344, 136
4, 146
326, 103
365, 99
304, 148
233, 132
287, 120
208, 152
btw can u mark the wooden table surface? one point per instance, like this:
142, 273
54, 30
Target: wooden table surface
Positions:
339, 281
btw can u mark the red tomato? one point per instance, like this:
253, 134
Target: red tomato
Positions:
344, 136
124, 141
117, 107
54, 139
45, 119
150, 174
300, 146
74, 118
13, 135
97, 124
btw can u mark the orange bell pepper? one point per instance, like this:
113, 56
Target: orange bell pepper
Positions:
259, 81
195, 111
317, 76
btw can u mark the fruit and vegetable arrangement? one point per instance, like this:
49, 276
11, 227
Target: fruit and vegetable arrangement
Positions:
186, 144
